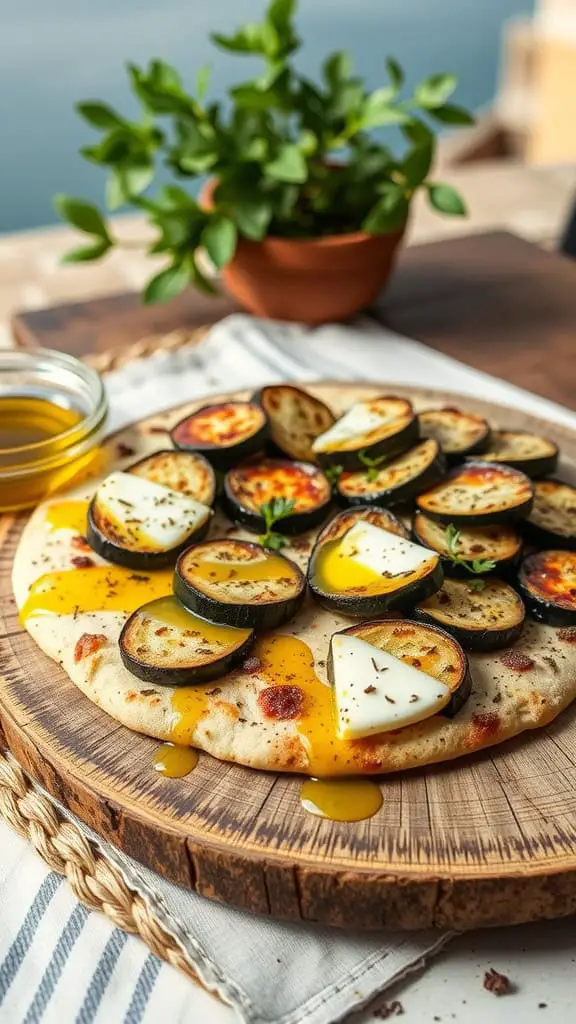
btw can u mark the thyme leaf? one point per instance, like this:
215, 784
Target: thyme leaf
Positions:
476, 566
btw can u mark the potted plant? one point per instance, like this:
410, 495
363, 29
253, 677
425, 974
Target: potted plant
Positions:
304, 208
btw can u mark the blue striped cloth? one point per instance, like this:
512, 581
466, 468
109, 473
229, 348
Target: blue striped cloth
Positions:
60, 963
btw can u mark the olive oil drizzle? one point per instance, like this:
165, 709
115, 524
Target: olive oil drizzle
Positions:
174, 761
283, 659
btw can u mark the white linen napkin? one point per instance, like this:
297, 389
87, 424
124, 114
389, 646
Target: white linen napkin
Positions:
270, 973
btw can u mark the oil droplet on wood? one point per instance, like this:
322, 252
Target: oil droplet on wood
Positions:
341, 799
174, 761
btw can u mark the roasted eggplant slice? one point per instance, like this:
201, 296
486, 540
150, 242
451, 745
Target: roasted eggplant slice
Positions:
424, 647
480, 619
164, 643
534, 455
343, 522
239, 584
397, 481
370, 429
224, 433
458, 433
295, 419
186, 472
368, 571
499, 544
552, 521
547, 583
256, 483
142, 525
479, 494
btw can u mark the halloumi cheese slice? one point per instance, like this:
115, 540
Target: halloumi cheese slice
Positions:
149, 514
376, 692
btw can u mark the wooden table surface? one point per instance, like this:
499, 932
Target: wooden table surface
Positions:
492, 300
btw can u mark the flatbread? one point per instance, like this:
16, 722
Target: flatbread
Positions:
508, 697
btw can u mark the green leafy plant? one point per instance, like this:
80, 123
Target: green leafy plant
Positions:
372, 465
291, 157
272, 512
476, 566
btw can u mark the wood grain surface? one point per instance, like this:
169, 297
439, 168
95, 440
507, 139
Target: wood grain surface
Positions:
485, 840
492, 300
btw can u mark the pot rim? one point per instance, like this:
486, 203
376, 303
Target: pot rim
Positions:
350, 238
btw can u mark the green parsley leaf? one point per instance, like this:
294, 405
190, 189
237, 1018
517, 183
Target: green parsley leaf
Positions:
333, 474
372, 465
272, 511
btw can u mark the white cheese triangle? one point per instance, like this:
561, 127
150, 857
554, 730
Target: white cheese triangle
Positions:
360, 419
153, 514
376, 692
383, 551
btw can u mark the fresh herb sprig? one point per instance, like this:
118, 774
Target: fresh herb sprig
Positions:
475, 566
333, 474
272, 512
372, 465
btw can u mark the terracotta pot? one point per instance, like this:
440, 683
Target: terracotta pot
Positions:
311, 280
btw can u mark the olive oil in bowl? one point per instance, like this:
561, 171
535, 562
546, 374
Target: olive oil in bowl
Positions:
26, 421
52, 414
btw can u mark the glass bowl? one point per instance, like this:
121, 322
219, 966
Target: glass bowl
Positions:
32, 469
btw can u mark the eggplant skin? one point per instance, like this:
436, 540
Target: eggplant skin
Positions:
542, 568
112, 552
391, 496
343, 521
542, 538
223, 457
546, 612
464, 688
392, 445
282, 444
533, 466
474, 639
243, 616
472, 468
252, 520
300, 522
475, 448
504, 566
182, 676
356, 607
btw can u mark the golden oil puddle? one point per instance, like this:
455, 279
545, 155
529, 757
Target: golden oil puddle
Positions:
68, 515
267, 568
175, 761
284, 660
341, 799
337, 572
100, 588
287, 660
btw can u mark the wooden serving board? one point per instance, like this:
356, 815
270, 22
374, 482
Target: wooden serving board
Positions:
484, 840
